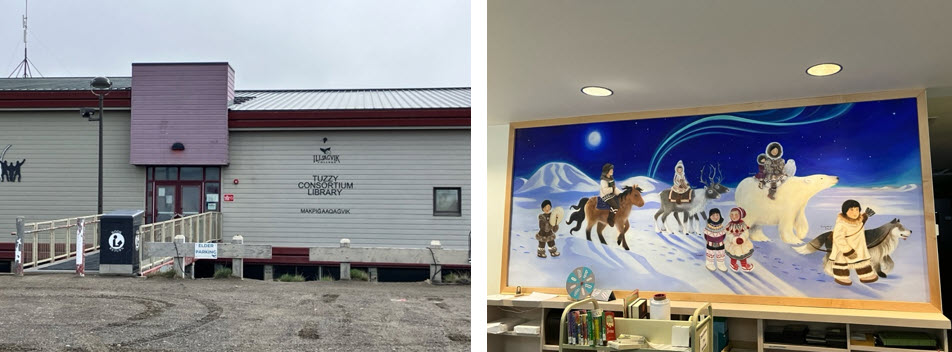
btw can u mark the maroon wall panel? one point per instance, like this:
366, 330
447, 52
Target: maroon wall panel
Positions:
186, 103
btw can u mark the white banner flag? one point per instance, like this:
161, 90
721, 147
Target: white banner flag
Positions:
80, 244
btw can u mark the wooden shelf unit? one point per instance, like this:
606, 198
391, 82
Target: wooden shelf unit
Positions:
741, 318
655, 331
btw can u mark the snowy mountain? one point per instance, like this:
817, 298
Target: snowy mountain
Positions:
557, 178
647, 184
518, 182
561, 177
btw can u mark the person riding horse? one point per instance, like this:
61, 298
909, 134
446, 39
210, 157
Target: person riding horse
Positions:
608, 192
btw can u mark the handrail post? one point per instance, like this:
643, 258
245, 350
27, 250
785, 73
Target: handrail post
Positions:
67, 237
179, 261
436, 274
238, 264
36, 246
344, 267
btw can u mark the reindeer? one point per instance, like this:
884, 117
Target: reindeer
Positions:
690, 222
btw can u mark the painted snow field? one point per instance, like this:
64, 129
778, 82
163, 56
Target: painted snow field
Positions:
675, 262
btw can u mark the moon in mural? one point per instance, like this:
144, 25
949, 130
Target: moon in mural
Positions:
594, 139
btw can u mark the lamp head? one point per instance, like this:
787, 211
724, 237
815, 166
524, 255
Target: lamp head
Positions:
100, 83
89, 113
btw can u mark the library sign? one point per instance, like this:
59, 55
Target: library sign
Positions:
325, 186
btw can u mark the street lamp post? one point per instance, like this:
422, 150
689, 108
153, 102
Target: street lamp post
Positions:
98, 83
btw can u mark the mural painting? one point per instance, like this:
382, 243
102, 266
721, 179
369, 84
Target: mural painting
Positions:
817, 201
10, 170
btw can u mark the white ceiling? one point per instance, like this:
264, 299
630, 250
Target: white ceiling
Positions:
675, 54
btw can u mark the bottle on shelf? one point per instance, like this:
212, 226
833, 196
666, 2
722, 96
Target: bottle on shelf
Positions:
660, 307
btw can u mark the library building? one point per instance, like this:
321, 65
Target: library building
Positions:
735, 180
293, 169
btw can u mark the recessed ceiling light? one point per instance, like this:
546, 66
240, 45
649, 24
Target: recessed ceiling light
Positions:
820, 70
597, 91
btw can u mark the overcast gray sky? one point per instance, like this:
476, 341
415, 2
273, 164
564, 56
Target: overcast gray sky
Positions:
270, 44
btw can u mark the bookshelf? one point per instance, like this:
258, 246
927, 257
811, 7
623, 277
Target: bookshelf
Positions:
656, 331
746, 323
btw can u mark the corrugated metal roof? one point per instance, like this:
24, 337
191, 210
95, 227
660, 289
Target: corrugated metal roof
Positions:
59, 83
352, 99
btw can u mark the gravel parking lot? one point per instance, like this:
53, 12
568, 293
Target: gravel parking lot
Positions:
61, 312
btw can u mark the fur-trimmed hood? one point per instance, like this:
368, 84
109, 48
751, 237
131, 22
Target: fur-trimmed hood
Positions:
771, 146
679, 164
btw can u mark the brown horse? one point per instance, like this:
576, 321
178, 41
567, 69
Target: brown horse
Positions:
586, 211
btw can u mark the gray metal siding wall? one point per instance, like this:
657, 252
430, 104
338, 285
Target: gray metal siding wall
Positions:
60, 173
391, 202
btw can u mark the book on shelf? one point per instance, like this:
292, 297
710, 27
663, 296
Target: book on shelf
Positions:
638, 309
609, 326
589, 327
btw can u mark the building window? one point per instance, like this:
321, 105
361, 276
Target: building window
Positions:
447, 201
173, 192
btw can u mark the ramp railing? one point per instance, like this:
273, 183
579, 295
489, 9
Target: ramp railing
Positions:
204, 227
48, 241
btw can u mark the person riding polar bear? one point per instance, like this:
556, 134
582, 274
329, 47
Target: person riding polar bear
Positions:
786, 209
775, 171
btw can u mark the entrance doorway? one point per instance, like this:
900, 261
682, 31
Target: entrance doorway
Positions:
179, 191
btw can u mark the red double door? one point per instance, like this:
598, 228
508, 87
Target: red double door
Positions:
174, 199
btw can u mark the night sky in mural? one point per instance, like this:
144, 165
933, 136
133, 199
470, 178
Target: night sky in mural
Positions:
865, 144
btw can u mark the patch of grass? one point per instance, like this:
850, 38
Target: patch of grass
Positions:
327, 278
168, 274
456, 278
223, 273
360, 275
291, 278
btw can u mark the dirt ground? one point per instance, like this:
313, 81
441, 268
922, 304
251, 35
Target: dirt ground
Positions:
61, 312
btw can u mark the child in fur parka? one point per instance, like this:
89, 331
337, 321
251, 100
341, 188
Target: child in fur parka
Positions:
714, 233
738, 243
546, 234
849, 249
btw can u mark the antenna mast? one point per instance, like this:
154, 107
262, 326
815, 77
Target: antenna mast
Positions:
24, 65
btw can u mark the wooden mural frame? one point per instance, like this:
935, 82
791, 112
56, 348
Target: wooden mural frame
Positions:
934, 303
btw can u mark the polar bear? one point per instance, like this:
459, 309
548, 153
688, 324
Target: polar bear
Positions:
787, 211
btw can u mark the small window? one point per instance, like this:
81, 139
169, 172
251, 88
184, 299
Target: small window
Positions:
212, 174
166, 173
191, 174
447, 201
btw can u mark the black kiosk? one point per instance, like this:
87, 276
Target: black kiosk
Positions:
119, 242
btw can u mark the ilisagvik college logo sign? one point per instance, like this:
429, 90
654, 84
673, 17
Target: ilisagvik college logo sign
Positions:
10, 170
116, 241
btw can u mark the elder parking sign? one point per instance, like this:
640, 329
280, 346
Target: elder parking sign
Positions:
206, 251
